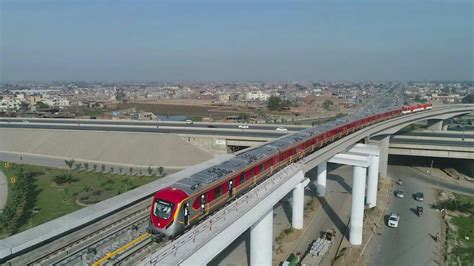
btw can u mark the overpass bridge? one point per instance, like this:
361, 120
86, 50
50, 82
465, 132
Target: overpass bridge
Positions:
52, 233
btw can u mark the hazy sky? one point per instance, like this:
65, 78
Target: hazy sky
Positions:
236, 40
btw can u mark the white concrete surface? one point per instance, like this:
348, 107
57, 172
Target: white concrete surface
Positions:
261, 241
117, 147
357, 208
297, 207
373, 181
321, 179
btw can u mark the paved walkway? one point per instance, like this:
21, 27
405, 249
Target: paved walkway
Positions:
3, 190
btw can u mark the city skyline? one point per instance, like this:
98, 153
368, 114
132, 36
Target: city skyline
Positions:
236, 40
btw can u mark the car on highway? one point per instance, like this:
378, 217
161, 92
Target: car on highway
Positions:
399, 194
189, 122
211, 126
419, 196
26, 121
393, 220
243, 126
281, 129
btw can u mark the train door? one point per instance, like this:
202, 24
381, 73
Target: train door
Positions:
203, 203
231, 188
186, 214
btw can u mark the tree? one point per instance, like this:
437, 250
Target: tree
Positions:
111, 169
327, 105
274, 103
160, 170
131, 170
95, 167
150, 170
69, 163
86, 166
78, 166
468, 99
62, 179
120, 170
41, 105
24, 106
103, 168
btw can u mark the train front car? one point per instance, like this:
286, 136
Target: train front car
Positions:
164, 211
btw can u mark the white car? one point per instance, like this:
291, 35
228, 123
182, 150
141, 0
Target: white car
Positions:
399, 194
281, 129
189, 122
243, 126
393, 220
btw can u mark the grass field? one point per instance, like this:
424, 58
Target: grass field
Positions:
50, 200
463, 251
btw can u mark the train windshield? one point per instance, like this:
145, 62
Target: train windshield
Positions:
163, 209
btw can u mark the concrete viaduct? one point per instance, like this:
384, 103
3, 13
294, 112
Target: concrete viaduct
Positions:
254, 210
256, 207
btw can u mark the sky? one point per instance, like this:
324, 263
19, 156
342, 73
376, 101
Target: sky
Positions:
236, 40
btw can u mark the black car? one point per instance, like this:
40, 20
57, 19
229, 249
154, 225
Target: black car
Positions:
419, 196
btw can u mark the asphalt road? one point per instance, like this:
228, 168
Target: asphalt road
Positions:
413, 242
455, 143
153, 123
466, 135
149, 129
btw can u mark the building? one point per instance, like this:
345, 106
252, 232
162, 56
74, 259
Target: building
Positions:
257, 96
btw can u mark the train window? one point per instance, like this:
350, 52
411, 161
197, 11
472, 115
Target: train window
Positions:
241, 178
262, 167
217, 192
163, 209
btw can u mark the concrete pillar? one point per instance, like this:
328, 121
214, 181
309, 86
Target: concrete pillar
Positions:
298, 207
445, 127
261, 240
321, 182
373, 181
383, 160
435, 124
357, 208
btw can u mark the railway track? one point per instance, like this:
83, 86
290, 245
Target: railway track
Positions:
98, 242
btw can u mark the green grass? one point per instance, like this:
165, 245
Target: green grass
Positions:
465, 227
54, 200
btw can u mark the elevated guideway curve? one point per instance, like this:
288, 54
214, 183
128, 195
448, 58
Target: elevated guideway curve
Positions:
11, 248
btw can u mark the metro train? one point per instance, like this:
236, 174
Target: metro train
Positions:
186, 202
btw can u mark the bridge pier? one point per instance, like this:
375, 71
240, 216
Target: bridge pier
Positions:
297, 208
383, 144
373, 181
360, 162
435, 124
321, 181
357, 208
261, 241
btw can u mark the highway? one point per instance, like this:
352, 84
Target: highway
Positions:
152, 129
412, 243
149, 123
455, 143
440, 134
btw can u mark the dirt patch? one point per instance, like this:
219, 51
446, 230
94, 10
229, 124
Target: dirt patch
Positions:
189, 110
